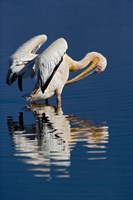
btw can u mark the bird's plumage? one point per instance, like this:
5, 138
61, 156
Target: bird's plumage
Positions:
50, 68
49, 60
21, 61
25, 62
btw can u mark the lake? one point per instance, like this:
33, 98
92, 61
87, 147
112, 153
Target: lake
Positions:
83, 150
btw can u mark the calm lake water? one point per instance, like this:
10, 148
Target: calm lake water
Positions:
85, 149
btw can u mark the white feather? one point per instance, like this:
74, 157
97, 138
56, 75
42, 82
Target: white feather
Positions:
50, 58
23, 56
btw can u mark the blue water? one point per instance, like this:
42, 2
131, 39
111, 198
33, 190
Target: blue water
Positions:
85, 149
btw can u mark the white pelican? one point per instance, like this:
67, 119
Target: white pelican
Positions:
50, 68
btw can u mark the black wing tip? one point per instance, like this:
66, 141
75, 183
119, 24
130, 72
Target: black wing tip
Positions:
43, 87
11, 77
20, 86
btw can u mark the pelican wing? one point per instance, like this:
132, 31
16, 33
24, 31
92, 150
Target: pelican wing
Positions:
49, 61
22, 61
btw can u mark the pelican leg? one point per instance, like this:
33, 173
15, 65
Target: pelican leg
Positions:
58, 96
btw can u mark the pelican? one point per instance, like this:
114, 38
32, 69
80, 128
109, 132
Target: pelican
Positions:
51, 68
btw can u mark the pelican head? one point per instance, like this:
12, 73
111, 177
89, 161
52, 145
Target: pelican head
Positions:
98, 64
101, 63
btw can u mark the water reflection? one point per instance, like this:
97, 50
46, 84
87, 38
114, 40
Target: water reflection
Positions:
46, 144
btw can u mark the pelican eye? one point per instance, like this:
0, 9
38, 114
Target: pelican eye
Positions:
98, 68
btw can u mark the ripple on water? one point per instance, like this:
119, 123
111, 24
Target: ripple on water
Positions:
47, 143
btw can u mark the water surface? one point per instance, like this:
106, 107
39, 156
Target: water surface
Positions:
84, 149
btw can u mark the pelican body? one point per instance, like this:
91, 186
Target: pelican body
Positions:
51, 68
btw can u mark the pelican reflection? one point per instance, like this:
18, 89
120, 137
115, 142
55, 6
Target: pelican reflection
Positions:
45, 144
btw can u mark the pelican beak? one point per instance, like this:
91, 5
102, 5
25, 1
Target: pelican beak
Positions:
93, 68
